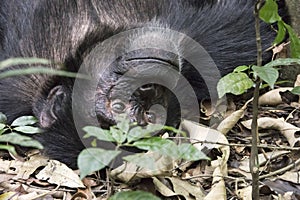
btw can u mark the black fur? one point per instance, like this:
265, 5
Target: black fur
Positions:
67, 31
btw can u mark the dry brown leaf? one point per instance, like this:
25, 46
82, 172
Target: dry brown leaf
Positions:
229, 122
31, 195
9, 195
22, 170
204, 134
85, 194
186, 189
297, 82
59, 174
30, 166
125, 173
245, 193
5, 177
130, 172
41, 193
162, 188
218, 189
209, 109
244, 164
287, 129
239, 150
291, 177
296, 104
10, 166
277, 49
201, 133
273, 98
287, 196
239, 172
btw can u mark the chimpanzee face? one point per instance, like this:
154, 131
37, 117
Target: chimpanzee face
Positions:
146, 105
129, 89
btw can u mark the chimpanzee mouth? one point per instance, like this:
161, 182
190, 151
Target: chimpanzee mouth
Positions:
171, 63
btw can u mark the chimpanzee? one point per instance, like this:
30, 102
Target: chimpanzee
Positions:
131, 49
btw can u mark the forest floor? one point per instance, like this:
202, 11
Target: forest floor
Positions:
226, 176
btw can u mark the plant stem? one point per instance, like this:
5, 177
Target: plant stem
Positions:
254, 162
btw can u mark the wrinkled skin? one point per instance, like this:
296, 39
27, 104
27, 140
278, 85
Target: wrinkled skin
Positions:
67, 31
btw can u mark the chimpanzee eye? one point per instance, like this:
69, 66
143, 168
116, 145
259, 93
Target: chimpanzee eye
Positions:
151, 117
118, 107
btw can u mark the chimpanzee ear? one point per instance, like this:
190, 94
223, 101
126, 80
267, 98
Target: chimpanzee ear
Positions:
53, 106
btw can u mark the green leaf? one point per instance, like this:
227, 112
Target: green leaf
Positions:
156, 127
94, 143
3, 118
24, 121
191, 153
175, 130
134, 195
9, 148
139, 132
25, 141
280, 33
99, 133
282, 61
123, 123
23, 61
28, 129
267, 74
160, 145
141, 160
94, 159
295, 41
2, 126
3, 131
269, 12
241, 68
235, 83
296, 90
117, 134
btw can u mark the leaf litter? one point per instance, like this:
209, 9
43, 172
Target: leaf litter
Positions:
225, 176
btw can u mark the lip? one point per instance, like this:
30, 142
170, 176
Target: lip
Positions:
154, 60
